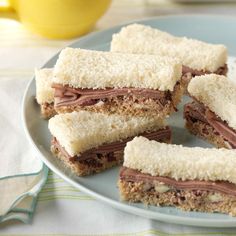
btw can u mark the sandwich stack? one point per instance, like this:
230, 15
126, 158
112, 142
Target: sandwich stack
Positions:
89, 142
211, 115
192, 179
197, 57
126, 84
104, 100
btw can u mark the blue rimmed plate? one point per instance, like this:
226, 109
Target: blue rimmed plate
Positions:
103, 186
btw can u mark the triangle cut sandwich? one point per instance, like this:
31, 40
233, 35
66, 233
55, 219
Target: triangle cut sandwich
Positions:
89, 142
192, 179
212, 114
126, 84
197, 57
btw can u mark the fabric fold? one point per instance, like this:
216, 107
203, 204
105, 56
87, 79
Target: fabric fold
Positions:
22, 174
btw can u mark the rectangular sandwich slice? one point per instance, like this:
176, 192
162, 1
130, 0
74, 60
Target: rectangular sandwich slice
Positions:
197, 57
44, 92
212, 114
138, 85
91, 142
192, 179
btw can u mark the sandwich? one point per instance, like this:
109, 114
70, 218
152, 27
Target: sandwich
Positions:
44, 92
197, 57
126, 84
212, 114
192, 179
89, 142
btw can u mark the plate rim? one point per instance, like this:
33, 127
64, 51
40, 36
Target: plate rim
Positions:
161, 216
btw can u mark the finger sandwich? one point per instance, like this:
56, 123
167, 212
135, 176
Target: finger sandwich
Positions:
89, 142
212, 114
44, 92
197, 57
126, 84
192, 179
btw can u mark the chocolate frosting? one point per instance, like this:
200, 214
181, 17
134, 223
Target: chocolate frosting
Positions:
132, 175
158, 135
65, 95
198, 111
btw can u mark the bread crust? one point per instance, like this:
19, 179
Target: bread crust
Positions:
208, 133
187, 200
95, 165
47, 110
44, 91
80, 68
218, 93
137, 38
83, 130
179, 162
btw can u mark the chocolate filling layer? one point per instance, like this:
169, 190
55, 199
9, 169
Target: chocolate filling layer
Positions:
109, 149
220, 71
188, 73
132, 175
196, 111
66, 96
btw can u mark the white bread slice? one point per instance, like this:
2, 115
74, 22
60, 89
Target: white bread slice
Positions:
44, 92
81, 131
82, 68
136, 38
218, 93
180, 163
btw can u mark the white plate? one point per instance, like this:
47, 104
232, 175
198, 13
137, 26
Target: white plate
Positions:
103, 186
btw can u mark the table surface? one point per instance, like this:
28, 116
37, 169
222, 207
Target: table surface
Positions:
17, 46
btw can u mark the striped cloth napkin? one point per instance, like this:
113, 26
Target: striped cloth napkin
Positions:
63, 210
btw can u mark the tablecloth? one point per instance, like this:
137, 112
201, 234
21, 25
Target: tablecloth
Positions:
61, 209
